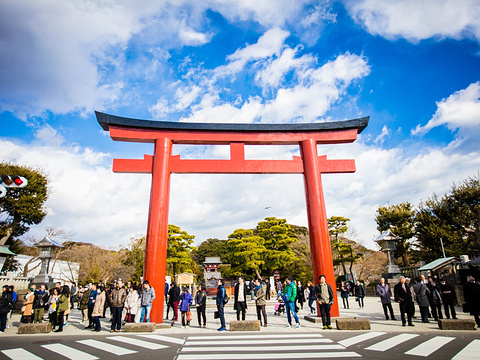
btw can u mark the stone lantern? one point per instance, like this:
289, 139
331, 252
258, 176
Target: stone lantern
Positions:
387, 244
47, 252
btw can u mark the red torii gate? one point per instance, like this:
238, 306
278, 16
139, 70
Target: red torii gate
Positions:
163, 163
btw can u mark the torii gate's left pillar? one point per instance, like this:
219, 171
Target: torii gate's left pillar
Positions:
157, 229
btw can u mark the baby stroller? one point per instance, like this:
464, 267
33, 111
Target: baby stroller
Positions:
279, 307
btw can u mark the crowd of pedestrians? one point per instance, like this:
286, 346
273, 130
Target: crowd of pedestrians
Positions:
131, 303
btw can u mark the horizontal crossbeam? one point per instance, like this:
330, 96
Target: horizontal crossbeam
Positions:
232, 166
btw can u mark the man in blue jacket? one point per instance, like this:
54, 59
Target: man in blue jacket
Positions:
221, 296
290, 294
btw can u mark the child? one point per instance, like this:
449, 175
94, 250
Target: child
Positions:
279, 306
186, 300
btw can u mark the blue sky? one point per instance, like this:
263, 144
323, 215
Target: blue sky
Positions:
413, 67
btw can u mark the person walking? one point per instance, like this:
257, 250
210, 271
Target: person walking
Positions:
15, 298
40, 304
186, 301
174, 300
240, 303
6, 304
403, 296
27, 309
360, 294
201, 305
90, 306
62, 306
289, 296
268, 288
421, 294
117, 301
73, 295
384, 292
279, 287
435, 298
99, 306
311, 297
83, 303
148, 295
448, 298
471, 289
221, 300
300, 294
260, 301
131, 304
324, 295
52, 307
344, 294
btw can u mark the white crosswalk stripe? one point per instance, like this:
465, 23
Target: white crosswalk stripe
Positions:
391, 342
360, 338
164, 338
315, 355
274, 346
137, 342
469, 352
100, 345
20, 354
69, 352
430, 346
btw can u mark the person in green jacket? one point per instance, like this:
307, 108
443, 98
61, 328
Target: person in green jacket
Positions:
289, 296
62, 306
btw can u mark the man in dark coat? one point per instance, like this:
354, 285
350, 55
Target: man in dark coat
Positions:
220, 301
435, 298
174, 299
472, 297
422, 292
403, 296
383, 290
448, 297
241, 292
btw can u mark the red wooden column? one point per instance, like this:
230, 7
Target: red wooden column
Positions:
322, 262
157, 230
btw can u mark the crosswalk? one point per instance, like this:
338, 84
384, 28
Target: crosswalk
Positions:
274, 346
252, 346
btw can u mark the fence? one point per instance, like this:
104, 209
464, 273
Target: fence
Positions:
19, 283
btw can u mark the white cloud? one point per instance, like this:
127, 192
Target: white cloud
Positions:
191, 37
418, 20
269, 44
461, 110
385, 133
274, 71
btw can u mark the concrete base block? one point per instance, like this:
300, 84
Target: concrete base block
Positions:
353, 324
456, 324
313, 318
165, 325
248, 325
37, 328
140, 327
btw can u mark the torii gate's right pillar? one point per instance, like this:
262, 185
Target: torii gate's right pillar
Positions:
322, 262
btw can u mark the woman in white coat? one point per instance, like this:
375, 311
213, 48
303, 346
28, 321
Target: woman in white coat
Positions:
98, 307
131, 305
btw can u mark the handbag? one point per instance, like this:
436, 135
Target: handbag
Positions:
216, 315
225, 300
189, 315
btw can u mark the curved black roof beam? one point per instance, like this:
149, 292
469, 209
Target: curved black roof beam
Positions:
105, 120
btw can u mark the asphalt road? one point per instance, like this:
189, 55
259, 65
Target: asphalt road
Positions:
459, 345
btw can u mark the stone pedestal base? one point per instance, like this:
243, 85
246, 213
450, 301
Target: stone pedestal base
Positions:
37, 328
140, 327
248, 325
353, 324
456, 324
